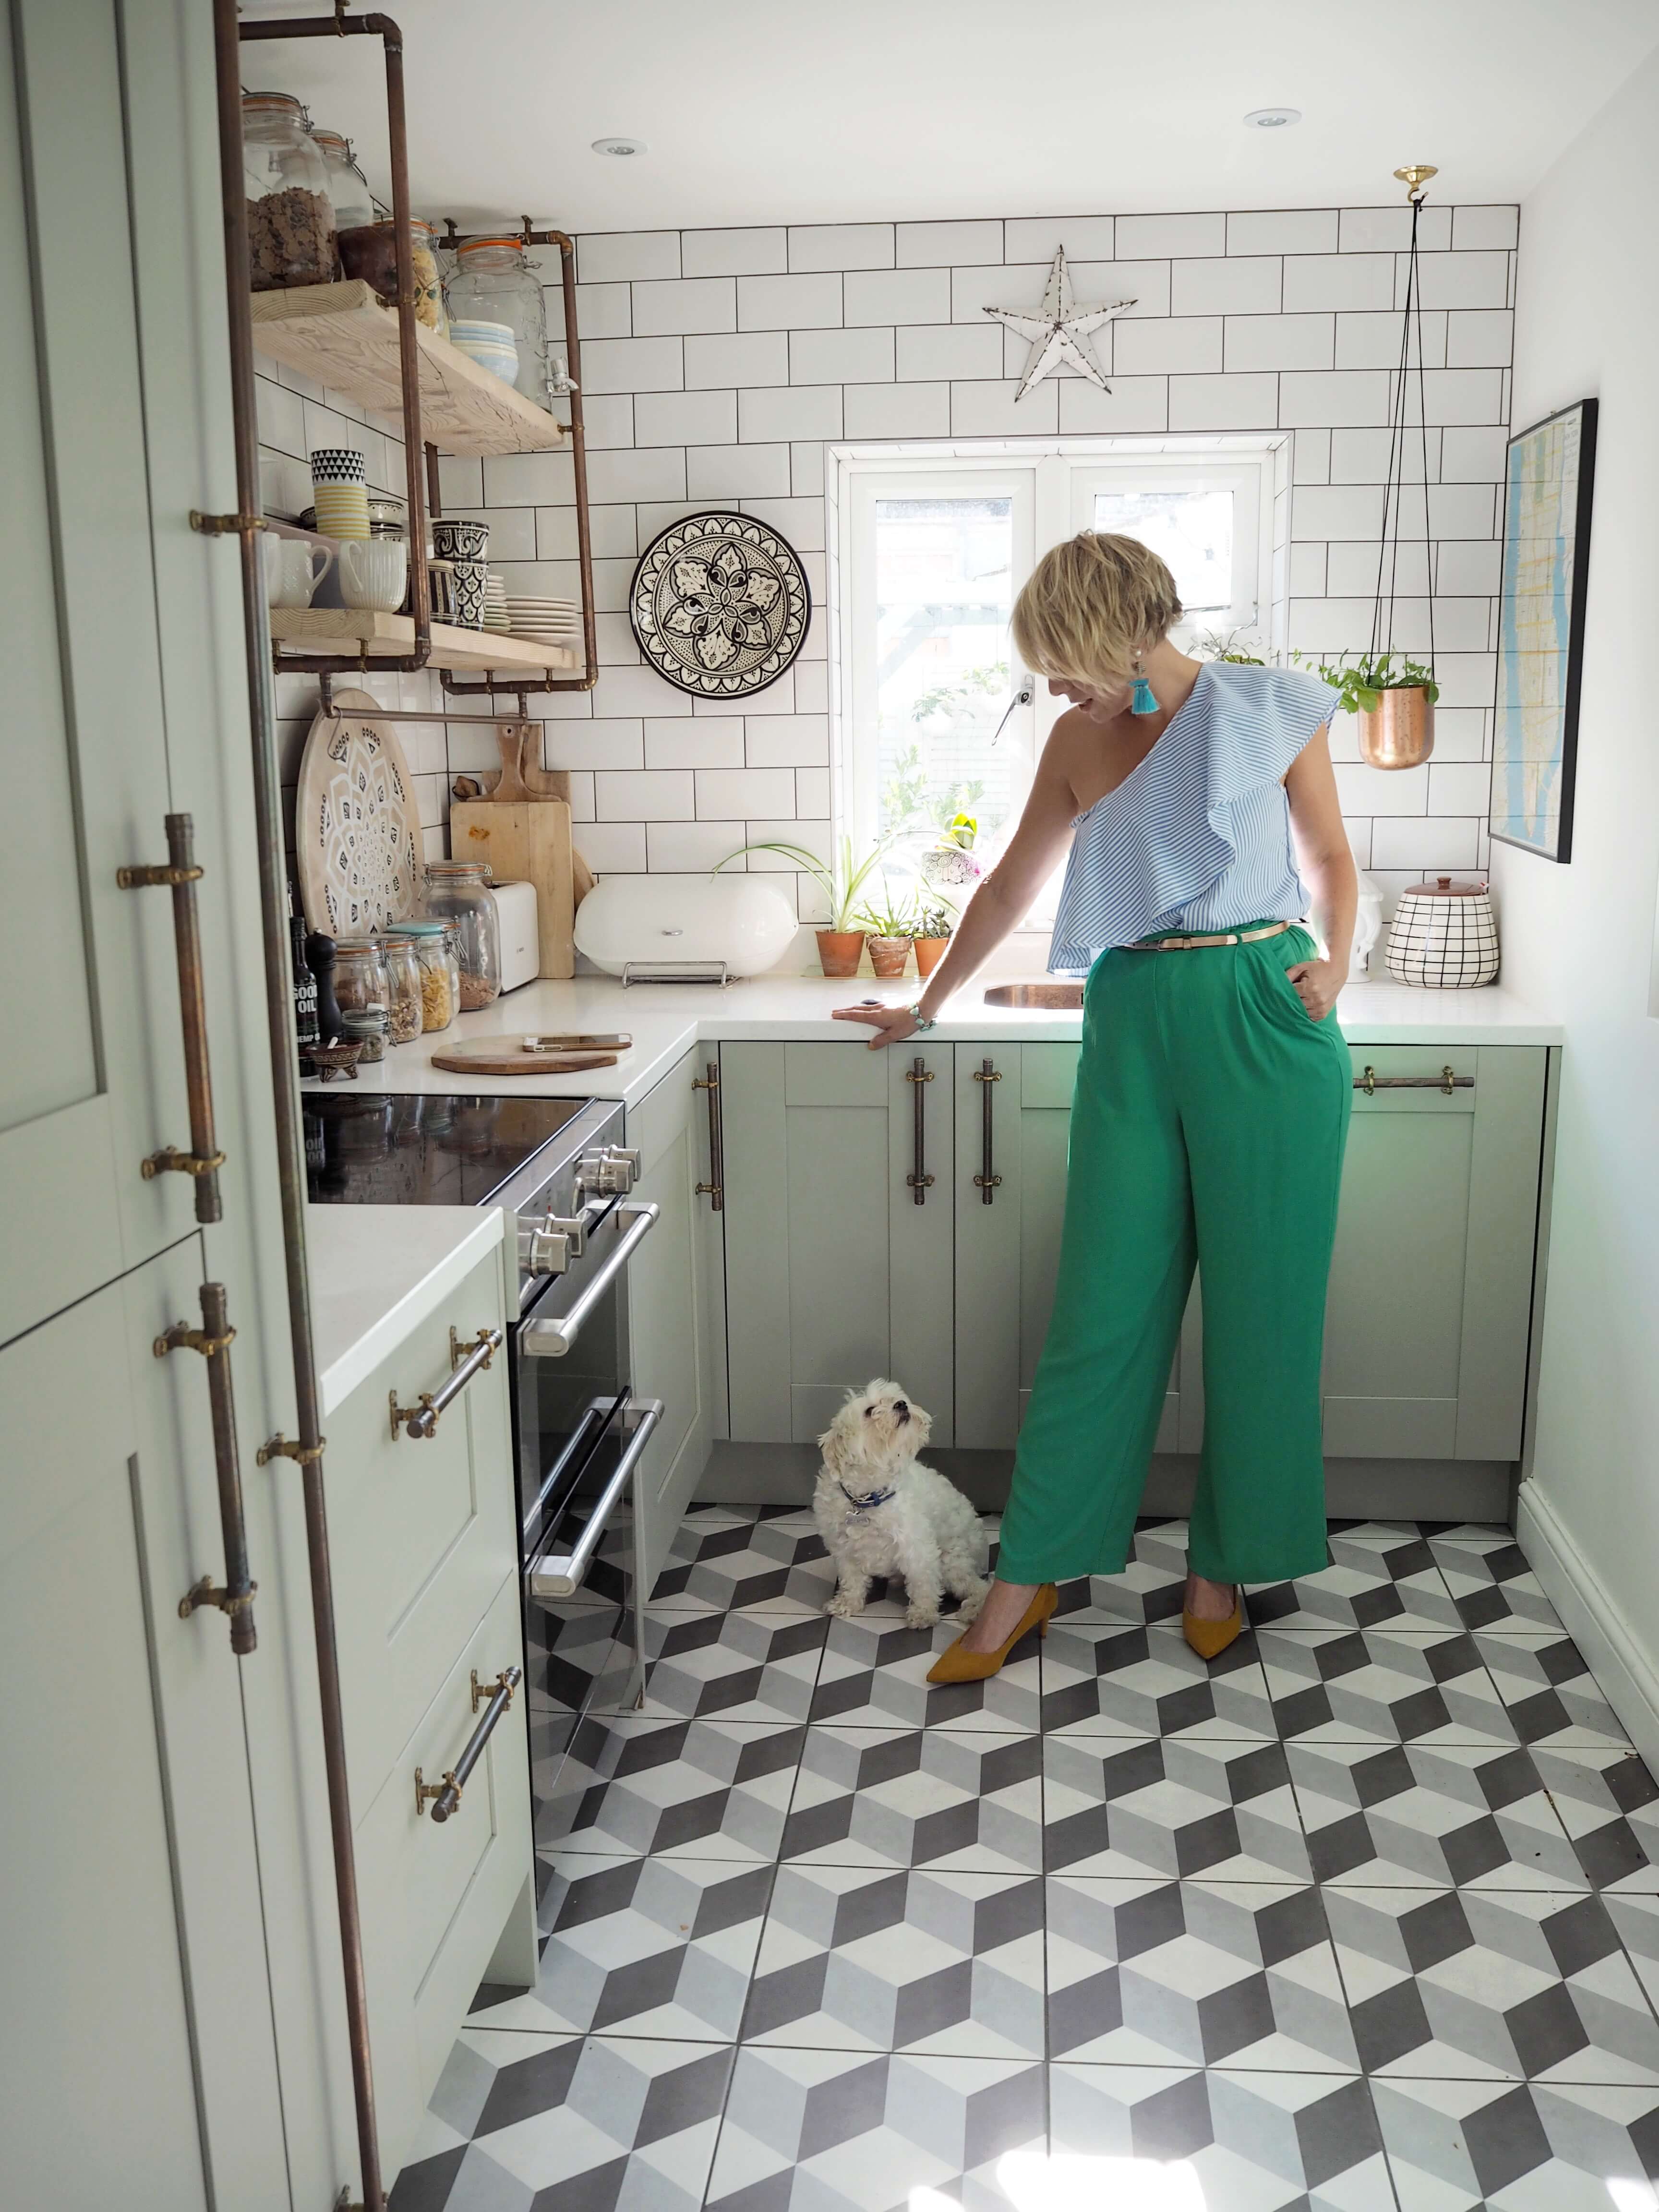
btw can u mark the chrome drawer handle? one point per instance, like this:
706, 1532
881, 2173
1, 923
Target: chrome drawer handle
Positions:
444, 1796
420, 1420
562, 1574
551, 1340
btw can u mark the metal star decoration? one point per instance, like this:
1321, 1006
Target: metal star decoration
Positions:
1058, 331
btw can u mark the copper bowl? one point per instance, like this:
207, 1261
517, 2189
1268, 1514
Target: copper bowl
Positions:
1399, 731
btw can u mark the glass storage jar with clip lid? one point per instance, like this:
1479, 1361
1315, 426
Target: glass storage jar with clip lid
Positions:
369, 250
440, 979
403, 978
290, 216
348, 187
493, 287
457, 892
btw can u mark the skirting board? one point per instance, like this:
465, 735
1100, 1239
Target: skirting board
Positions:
1623, 1670
1355, 1489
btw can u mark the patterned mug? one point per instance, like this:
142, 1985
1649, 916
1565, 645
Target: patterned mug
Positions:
455, 539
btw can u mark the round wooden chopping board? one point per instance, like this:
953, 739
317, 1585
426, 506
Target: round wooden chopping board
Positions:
510, 1055
357, 837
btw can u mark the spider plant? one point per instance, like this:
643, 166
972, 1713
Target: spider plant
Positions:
840, 880
1359, 687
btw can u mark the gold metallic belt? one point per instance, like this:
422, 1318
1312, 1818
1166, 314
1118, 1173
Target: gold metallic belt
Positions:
1232, 937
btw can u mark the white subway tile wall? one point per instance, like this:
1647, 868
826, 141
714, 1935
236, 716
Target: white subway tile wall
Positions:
717, 364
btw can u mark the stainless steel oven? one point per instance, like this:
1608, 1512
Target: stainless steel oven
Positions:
579, 1424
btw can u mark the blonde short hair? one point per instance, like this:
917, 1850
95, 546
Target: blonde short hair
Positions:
1090, 606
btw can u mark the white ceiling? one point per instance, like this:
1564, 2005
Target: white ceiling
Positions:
837, 109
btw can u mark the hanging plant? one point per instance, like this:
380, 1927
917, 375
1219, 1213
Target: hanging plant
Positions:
1358, 689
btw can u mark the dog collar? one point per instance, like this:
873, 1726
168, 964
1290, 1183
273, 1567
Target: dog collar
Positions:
862, 1505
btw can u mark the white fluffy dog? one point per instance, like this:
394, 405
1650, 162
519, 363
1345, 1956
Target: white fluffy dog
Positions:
881, 1512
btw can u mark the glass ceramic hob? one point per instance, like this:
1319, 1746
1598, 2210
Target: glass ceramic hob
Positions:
412, 1148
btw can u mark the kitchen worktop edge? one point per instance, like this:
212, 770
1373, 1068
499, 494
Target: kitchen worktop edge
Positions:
377, 1272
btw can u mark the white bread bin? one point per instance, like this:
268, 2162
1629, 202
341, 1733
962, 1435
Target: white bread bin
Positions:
651, 920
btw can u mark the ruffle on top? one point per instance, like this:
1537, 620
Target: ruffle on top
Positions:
1202, 818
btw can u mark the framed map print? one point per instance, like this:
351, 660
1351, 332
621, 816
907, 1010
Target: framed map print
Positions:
1540, 626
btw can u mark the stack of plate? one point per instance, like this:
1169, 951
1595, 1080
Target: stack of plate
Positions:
490, 344
496, 616
549, 622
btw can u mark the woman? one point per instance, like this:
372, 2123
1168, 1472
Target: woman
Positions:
1212, 1090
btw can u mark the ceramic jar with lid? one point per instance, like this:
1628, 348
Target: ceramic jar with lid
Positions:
440, 982
1444, 936
493, 287
290, 216
458, 891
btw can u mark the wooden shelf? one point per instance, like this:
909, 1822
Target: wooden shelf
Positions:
346, 337
352, 630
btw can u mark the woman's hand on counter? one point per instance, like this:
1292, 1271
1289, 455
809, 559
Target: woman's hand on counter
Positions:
892, 1024
1317, 983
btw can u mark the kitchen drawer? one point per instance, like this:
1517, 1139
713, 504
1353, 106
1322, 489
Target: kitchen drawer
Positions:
437, 1895
421, 1530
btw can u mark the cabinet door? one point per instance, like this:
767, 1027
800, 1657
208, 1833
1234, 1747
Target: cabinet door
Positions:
93, 986
131, 1925
1008, 1246
835, 1273
665, 1306
1425, 1331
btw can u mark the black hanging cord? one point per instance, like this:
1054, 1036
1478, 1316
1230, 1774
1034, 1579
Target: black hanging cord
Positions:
1394, 486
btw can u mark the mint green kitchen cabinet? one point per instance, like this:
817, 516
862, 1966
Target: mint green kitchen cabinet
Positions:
834, 1273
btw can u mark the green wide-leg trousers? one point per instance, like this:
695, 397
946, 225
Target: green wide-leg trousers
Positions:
1208, 1126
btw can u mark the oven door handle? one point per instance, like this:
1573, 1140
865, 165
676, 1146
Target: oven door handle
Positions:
551, 1340
562, 1574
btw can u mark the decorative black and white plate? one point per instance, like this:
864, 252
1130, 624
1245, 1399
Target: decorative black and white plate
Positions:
719, 604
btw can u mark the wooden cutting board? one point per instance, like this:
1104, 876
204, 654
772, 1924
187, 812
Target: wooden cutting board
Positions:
504, 1056
526, 839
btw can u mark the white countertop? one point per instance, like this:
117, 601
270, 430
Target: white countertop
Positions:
667, 1019
376, 1272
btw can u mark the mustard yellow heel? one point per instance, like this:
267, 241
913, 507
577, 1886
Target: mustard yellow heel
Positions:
958, 1665
1210, 1638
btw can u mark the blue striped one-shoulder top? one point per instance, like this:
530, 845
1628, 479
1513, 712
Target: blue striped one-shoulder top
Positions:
1198, 833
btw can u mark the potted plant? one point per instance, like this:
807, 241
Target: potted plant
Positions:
934, 924
952, 864
841, 941
892, 927
1393, 696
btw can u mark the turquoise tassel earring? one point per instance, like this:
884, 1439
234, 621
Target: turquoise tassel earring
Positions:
1144, 700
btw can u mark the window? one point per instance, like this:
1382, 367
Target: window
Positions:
934, 546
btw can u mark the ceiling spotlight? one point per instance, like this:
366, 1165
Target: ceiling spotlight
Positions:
1273, 119
623, 149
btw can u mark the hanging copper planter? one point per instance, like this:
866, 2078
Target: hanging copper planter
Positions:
1399, 731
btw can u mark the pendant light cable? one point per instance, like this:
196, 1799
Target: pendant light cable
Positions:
1388, 554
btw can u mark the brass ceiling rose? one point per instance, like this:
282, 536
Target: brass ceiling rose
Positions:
1414, 176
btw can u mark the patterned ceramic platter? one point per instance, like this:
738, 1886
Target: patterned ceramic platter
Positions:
357, 827
719, 604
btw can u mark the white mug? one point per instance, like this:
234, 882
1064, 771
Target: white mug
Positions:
373, 573
290, 576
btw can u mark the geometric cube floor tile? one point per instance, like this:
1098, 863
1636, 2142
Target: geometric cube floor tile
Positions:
773, 1561
571, 2124
1491, 1583
956, 1798
1609, 1806
1637, 1919
1173, 1807
1146, 1681
726, 1666
1382, 1685
874, 1674
881, 1958
650, 1946
853, 2131
699, 1790
1149, 1588
567, 1653
1516, 1984
1381, 1574
1172, 1973
1416, 1815
1258, 2142
1551, 1696
1458, 2146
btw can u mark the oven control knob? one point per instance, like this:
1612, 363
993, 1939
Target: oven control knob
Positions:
610, 1171
552, 1244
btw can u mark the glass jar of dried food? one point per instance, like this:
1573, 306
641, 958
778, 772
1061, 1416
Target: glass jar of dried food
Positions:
440, 980
359, 974
367, 1026
348, 188
290, 218
405, 1020
370, 251
494, 285
457, 892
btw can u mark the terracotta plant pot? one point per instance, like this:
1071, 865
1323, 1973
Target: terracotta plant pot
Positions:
1399, 732
889, 954
839, 950
930, 950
